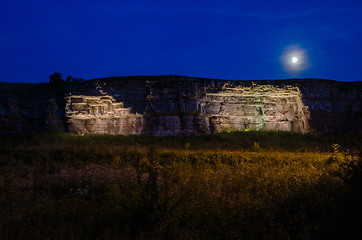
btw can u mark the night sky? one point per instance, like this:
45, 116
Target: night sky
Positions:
226, 39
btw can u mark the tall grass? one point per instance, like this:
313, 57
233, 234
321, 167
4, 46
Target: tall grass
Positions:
247, 185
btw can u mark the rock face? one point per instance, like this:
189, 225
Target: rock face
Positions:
175, 105
30, 107
259, 107
100, 115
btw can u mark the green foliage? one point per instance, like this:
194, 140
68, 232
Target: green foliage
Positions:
223, 186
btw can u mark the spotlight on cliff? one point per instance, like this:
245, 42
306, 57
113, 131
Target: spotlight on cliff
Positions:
294, 60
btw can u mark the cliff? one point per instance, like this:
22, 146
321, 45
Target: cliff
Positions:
176, 105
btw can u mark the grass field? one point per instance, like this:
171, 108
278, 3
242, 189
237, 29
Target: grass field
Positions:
240, 185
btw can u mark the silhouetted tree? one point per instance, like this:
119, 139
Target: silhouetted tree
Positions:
71, 79
68, 79
56, 79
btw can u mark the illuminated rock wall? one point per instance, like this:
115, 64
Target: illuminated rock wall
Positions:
259, 107
100, 115
175, 105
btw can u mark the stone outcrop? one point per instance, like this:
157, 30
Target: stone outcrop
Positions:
175, 105
100, 115
259, 107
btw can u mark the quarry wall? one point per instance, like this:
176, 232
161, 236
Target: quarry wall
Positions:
176, 105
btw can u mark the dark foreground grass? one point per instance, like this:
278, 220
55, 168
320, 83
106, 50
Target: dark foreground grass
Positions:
244, 185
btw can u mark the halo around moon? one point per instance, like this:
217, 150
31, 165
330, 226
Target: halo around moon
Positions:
294, 60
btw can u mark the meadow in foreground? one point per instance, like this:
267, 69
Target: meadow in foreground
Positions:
243, 185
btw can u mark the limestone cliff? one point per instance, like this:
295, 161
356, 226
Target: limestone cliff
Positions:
30, 107
100, 115
175, 105
259, 107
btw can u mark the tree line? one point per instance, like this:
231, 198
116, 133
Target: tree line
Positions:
57, 79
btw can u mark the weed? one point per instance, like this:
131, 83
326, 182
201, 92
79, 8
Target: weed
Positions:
60, 186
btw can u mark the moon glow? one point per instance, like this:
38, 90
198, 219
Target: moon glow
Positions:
294, 60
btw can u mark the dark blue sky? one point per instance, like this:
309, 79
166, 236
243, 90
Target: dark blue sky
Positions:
228, 39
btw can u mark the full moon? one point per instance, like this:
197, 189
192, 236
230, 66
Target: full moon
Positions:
294, 60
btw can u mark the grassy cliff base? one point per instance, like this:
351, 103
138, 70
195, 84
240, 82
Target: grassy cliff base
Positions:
243, 185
